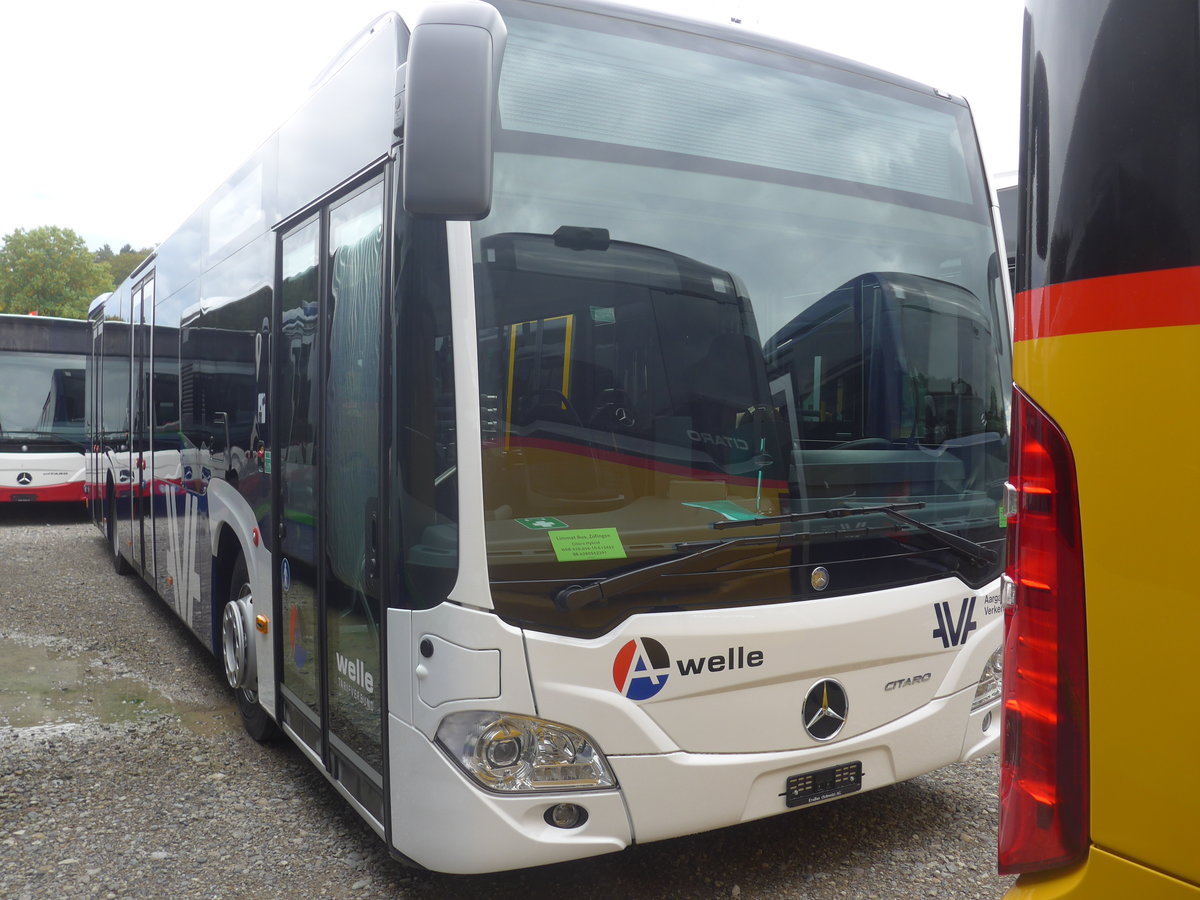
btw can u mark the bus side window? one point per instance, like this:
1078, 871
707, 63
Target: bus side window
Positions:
425, 477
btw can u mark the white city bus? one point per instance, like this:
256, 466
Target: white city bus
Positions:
42, 429
577, 427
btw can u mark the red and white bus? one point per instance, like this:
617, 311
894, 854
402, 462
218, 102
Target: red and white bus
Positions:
42, 408
577, 427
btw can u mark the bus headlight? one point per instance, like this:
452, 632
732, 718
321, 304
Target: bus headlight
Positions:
988, 688
512, 753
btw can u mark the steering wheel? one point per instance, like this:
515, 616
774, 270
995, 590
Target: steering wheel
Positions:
533, 400
612, 411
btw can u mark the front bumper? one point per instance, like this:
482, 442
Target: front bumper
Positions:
443, 821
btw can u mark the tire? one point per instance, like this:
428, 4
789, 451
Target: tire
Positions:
119, 563
255, 720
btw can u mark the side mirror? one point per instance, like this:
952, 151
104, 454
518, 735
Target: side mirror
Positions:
450, 86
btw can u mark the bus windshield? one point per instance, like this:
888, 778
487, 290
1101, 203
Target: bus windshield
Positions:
682, 322
42, 400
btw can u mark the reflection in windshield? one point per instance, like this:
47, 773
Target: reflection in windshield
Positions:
680, 326
621, 349
890, 386
42, 397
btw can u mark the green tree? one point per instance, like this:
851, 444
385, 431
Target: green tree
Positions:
50, 271
125, 261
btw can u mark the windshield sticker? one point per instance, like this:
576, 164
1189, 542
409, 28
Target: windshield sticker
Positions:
587, 543
727, 508
1003, 517
542, 523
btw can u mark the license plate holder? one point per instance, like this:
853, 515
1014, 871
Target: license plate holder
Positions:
823, 784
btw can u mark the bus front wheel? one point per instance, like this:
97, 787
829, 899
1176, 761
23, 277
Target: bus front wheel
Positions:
120, 565
237, 651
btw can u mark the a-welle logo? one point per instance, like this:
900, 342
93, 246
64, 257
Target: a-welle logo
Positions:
642, 666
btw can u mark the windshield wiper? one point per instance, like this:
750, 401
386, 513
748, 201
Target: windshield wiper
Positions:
577, 596
976, 553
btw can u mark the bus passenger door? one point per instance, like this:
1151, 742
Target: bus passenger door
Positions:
327, 486
139, 444
117, 342
95, 422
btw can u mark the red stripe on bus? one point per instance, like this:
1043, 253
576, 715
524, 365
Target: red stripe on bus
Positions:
1115, 303
52, 493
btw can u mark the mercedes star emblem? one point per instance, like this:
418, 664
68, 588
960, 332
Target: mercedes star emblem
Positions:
825, 709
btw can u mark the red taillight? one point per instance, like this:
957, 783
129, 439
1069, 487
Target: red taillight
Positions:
1044, 742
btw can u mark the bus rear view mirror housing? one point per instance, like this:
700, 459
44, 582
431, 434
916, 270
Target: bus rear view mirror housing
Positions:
449, 105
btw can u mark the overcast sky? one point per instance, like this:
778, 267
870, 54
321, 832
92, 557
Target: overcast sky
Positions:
118, 118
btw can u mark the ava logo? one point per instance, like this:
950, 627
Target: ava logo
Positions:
641, 668
954, 632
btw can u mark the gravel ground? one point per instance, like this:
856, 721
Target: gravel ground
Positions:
124, 772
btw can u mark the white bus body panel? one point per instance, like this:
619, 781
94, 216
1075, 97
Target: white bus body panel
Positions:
472, 587
865, 642
690, 758
477, 831
481, 667
682, 793
478, 663
48, 470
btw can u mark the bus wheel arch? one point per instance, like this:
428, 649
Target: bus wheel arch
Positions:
119, 563
238, 653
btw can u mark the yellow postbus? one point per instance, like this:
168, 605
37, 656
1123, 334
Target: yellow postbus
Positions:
1100, 737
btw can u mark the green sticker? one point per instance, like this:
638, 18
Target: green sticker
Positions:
267, 462
1003, 518
542, 523
730, 510
587, 543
